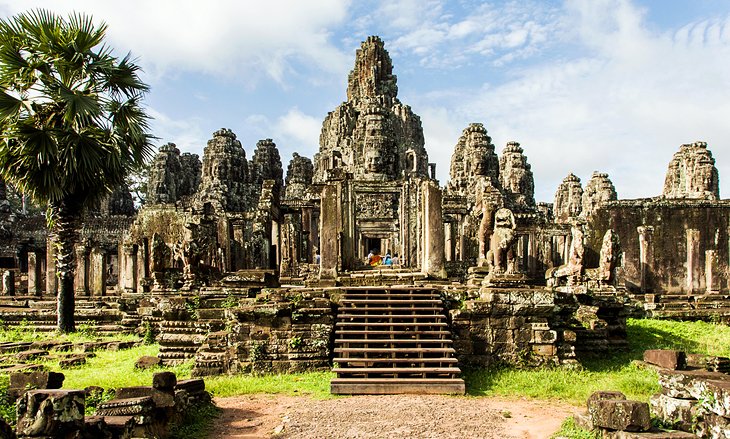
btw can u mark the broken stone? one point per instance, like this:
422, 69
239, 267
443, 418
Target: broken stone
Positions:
666, 358
147, 362
50, 413
23, 381
164, 381
620, 414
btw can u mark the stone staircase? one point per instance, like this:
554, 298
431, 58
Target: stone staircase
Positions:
392, 340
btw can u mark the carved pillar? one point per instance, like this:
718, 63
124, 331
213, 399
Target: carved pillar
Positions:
448, 242
531, 254
34, 274
693, 260
329, 232
646, 257
129, 281
8, 283
712, 272
51, 279
81, 277
276, 242
98, 271
307, 240
432, 231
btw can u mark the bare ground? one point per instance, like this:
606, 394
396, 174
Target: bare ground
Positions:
391, 416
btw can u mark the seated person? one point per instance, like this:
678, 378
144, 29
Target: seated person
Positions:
388, 260
374, 259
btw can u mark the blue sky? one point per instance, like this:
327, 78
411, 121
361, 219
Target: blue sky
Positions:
608, 85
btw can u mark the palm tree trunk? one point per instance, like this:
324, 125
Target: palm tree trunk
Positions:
65, 216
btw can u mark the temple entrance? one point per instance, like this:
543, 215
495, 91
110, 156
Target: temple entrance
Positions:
373, 244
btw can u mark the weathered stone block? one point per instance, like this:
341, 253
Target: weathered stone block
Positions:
604, 395
50, 413
22, 381
164, 381
675, 411
666, 358
714, 427
544, 350
687, 384
620, 414
147, 362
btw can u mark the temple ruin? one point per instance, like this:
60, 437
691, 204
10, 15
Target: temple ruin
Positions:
243, 267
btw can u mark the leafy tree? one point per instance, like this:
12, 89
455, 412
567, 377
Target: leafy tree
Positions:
72, 124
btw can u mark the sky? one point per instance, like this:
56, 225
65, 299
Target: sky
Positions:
584, 85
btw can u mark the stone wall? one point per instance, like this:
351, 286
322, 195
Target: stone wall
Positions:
670, 246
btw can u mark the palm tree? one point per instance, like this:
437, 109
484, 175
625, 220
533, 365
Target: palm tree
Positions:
71, 124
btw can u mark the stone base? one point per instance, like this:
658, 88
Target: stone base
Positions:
504, 280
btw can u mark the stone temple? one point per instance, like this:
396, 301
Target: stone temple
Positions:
241, 267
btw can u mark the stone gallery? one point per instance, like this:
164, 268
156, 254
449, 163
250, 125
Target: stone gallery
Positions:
359, 258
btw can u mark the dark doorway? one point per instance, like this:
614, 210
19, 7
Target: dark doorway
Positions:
373, 244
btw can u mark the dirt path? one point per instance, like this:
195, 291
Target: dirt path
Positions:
397, 416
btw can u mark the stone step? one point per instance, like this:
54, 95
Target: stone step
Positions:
385, 310
389, 386
370, 361
366, 333
421, 302
394, 350
392, 324
391, 341
396, 370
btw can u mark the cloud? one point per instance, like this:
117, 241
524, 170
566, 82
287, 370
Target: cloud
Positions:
621, 98
226, 38
186, 134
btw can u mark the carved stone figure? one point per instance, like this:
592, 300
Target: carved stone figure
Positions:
598, 190
568, 200
473, 157
573, 270
266, 163
501, 254
225, 174
488, 200
692, 173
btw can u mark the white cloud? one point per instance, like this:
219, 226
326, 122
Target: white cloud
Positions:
186, 134
227, 37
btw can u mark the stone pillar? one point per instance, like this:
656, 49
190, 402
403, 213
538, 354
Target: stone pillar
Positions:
34, 274
307, 233
448, 242
531, 254
276, 242
330, 231
98, 272
81, 277
8, 283
432, 231
712, 272
693, 260
129, 270
51, 279
646, 257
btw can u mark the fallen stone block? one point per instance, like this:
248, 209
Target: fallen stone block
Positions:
139, 406
120, 426
714, 427
147, 362
659, 434
50, 413
72, 362
617, 414
602, 395
709, 362
666, 358
716, 397
23, 381
164, 381
96, 427
31, 354
687, 384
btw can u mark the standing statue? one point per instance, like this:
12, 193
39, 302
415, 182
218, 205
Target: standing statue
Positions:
501, 255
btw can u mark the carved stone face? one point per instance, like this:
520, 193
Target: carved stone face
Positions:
479, 161
373, 158
504, 219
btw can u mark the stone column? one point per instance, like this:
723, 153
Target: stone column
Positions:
712, 272
81, 277
330, 230
129, 281
646, 257
51, 279
98, 271
276, 242
307, 232
432, 231
34, 274
8, 283
531, 254
448, 242
693, 260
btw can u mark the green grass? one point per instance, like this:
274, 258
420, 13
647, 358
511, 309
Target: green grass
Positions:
314, 384
607, 372
26, 332
569, 430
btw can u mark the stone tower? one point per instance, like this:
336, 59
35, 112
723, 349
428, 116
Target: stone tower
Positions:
266, 163
568, 200
372, 135
692, 173
516, 177
225, 176
473, 157
598, 190
298, 177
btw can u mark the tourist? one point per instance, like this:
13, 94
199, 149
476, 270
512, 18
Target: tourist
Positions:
316, 257
395, 261
388, 260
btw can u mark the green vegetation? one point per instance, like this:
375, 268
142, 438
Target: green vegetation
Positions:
571, 431
197, 422
315, 384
